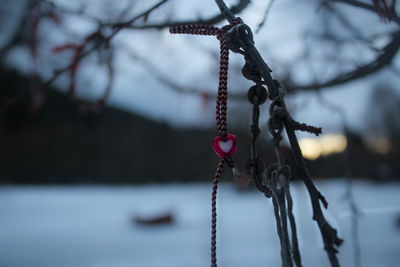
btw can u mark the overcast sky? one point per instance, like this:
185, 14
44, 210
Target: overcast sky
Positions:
190, 61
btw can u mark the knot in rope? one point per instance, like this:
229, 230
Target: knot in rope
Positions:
220, 33
238, 37
224, 144
257, 94
277, 113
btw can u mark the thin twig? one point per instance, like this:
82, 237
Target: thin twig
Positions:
266, 13
18, 36
104, 41
346, 23
75, 12
295, 242
184, 89
217, 18
225, 11
369, 7
329, 234
384, 59
349, 181
122, 25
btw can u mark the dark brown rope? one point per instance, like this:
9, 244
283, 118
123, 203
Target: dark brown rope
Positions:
273, 181
214, 213
221, 110
238, 37
222, 96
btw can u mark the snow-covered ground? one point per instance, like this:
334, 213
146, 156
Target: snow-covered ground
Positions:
92, 226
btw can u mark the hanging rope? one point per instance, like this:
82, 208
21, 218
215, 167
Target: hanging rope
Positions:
224, 144
214, 213
274, 180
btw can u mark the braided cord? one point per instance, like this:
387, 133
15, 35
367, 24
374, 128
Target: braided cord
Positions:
222, 98
221, 109
196, 29
214, 213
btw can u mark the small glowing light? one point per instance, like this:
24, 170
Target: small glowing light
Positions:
313, 148
333, 143
381, 146
310, 148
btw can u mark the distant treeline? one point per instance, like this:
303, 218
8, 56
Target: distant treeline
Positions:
58, 144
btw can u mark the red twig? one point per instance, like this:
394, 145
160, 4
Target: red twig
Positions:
78, 50
382, 10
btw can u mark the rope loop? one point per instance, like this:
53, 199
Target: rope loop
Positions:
224, 144
235, 38
257, 94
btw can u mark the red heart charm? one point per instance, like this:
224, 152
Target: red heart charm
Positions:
224, 145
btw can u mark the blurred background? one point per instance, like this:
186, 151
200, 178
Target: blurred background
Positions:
106, 123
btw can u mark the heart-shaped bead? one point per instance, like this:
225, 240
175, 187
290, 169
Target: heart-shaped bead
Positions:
224, 145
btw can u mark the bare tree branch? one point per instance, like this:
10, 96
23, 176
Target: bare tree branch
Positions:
225, 11
347, 24
266, 13
184, 89
242, 42
128, 23
359, 4
76, 12
239, 7
102, 41
354, 3
346, 159
18, 36
383, 60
